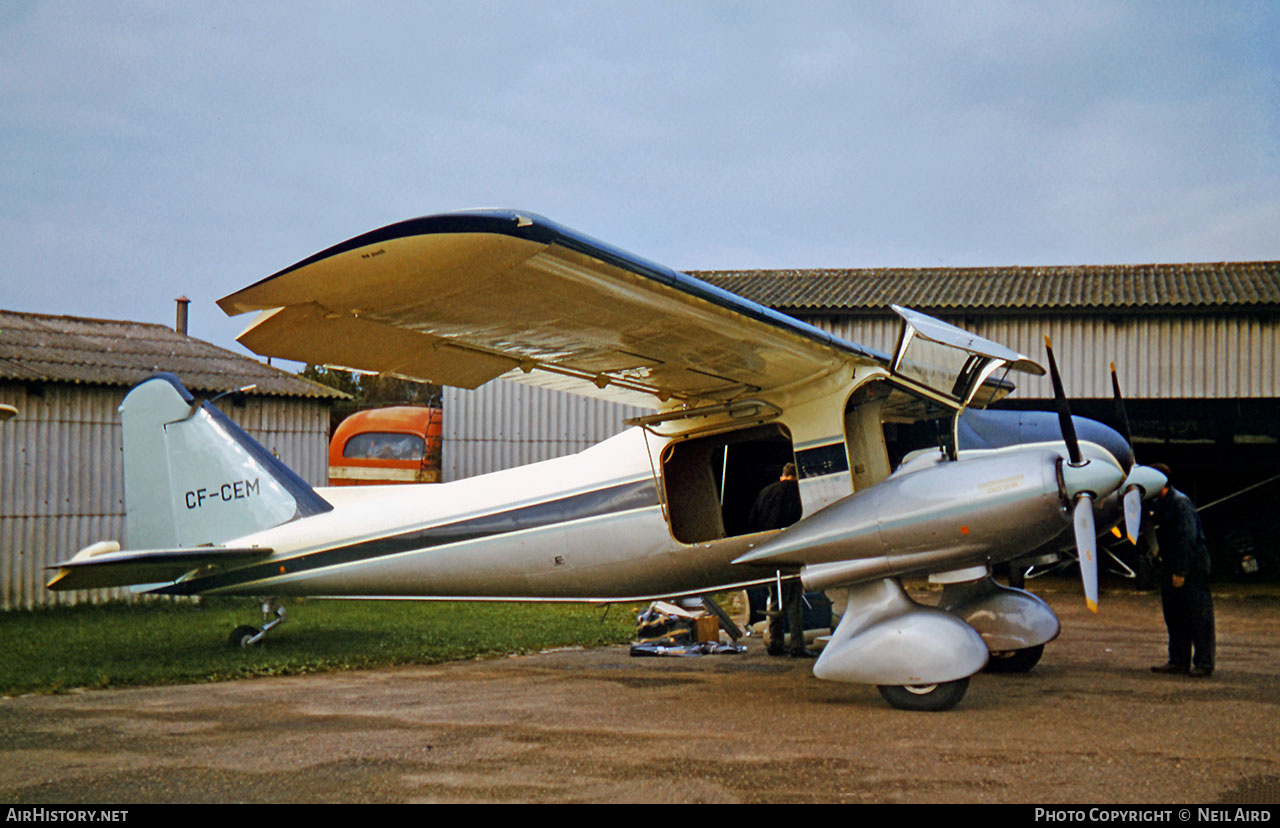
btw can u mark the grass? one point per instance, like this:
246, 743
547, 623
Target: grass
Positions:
60, 648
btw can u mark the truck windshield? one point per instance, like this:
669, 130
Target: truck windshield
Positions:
377, 445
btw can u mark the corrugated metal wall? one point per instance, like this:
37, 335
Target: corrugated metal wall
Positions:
1157, 357
62, 476
506, 424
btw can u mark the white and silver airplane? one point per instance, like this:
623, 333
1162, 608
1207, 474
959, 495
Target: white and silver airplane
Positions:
661, 509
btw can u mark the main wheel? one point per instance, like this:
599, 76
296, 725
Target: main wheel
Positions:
942, 696
240, 636
1015, 661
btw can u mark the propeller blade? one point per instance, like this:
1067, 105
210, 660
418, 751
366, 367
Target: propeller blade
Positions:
1064, 409
1087, 549
1122, 416
1133, 513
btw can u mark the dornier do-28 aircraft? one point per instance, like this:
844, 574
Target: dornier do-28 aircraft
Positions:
661, 509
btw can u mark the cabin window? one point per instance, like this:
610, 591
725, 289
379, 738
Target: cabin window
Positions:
712, 482
379, 445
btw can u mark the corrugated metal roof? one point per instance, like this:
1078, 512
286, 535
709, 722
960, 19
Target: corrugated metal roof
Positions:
42, 348
1095, 288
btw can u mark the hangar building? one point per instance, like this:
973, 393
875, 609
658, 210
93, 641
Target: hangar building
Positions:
1196, 346
61, 469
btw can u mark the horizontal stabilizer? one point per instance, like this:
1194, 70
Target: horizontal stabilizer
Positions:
104, 565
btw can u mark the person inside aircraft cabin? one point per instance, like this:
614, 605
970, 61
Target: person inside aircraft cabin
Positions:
778, 505
1183, 558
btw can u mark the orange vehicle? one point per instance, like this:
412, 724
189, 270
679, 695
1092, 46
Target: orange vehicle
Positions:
399, 444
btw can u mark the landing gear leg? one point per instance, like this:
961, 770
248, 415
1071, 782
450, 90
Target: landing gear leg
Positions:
246, 636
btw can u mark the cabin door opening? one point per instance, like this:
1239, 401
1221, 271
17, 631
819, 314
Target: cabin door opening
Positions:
712, 482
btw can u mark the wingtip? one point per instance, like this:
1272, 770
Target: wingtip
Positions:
1092, 605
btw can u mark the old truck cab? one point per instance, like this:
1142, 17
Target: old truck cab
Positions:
398, 444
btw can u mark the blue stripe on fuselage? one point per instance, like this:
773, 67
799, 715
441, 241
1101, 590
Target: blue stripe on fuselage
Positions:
619, 498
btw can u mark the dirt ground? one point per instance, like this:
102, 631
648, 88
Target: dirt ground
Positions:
1089, 725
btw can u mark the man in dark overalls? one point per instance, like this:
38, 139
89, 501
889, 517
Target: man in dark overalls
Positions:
1184, 583
777, 506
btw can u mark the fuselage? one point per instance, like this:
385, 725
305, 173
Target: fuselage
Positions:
590, 525
595, 526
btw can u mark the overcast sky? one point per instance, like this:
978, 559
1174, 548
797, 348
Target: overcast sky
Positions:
158, 149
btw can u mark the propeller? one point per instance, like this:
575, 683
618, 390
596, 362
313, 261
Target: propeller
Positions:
1142, 481
1064, 409
1083, 482
1086, 548
1122, 417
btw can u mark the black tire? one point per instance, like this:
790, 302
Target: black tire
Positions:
240, 636
932, 697
1015, 661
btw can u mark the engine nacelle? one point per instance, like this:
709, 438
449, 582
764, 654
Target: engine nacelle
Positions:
943, 516
1006, 618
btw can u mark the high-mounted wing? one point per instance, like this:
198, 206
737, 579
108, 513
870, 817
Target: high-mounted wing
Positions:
462, 298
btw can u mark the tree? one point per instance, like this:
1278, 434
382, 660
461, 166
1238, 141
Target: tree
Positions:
371, 391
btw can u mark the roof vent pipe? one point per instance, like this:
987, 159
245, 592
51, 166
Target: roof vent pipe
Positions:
181, 325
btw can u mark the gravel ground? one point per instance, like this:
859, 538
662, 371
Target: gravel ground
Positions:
1090, 724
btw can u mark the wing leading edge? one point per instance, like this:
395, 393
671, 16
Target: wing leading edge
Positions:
462, 298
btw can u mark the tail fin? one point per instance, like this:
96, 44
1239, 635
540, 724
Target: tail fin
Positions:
192, 476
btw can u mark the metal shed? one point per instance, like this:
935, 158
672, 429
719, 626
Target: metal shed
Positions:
1175, 330
61, 469
503, 424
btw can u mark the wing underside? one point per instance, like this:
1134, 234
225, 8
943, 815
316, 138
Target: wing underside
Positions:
460, 299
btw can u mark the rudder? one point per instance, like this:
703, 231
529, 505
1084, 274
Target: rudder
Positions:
193, 477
